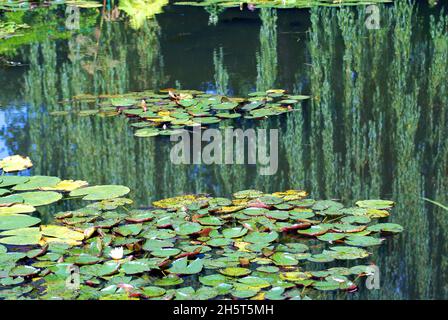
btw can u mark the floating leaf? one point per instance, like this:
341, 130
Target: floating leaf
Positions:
236, 232
16, 208
21, 237
386, 227
375, 204
235, 271
61, 232
67, 185
17, 221
284, 259
100, 192
15, 163
181, 266
37, 182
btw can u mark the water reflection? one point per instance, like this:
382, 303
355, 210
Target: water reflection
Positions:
376, 126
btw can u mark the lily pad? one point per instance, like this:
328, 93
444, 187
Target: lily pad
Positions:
100, 192
17, 221
15, 163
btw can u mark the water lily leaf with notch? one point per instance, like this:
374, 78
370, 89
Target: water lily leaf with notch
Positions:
188, 228
181, 266
67, 185
110, 204
255, 211
275, 293
331, 236
129, 229
254, 282
284, 259
37, 182
17, 221
210, 221
268, 269
61, 232
122, 102
107, 269
235, 271
356, 219
348, 228
138, 266
277, 215
225, 106
39, 198
298, 215
326, 285
151, 292
375, 204
169, 280
155, 244
23, 271
347, 253
20, 237
244, 294
376, 213
386, 227
235, 232
247, 194
304, 203
321, 257
100, 192
8, 181
83, 259
293, 247
15, 163
363, 241
261, 237
213, 280
165, 252
180, 201
219, 242
330, 205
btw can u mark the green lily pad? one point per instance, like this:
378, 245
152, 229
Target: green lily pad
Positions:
235, 232
20, 237
151, 292
37, 182
375, 204
284, 259
181, 266
257, 237
104, 192
17, 221
235, 271
386, 227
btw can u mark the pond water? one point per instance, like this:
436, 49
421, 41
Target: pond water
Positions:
376, 125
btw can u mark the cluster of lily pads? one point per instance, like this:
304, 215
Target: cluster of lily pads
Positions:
255, 245
168, 111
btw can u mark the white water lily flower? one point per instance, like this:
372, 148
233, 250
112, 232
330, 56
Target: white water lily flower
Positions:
116, 253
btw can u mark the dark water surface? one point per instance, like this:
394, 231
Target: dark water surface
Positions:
377, 125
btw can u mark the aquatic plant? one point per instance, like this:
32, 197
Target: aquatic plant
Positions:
255, 245
154, 111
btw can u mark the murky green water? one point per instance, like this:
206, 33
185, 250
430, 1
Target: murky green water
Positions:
376, 127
